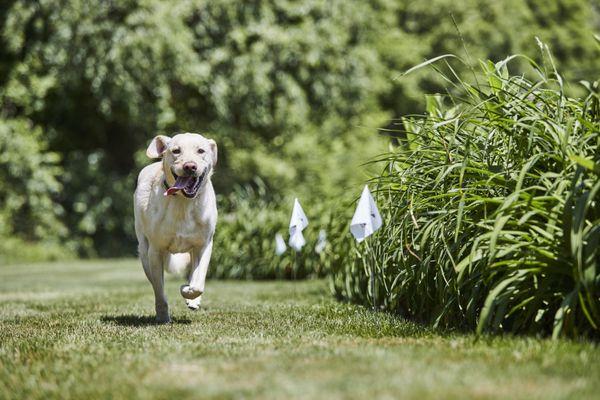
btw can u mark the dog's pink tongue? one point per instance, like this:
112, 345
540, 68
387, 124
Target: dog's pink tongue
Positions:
178, 185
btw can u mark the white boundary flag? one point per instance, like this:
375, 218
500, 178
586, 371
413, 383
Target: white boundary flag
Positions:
298, 222
321, 242
280, 246
366, 219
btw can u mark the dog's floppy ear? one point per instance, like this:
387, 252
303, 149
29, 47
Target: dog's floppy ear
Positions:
157, 146
213, 149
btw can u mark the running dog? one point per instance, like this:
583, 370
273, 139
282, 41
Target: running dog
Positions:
176, 215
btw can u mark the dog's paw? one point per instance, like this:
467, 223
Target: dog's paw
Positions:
163, 319
190, 292
193, 304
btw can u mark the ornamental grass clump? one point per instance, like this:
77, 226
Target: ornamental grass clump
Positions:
491, 210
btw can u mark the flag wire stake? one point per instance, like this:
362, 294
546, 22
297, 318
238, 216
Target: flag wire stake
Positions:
372, 278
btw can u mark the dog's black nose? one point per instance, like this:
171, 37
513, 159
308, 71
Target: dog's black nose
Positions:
190, 167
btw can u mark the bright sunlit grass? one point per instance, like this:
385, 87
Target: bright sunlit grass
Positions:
85, 330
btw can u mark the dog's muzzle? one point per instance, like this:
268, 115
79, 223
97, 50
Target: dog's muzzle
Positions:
188, 185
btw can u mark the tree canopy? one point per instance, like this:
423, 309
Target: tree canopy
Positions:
293, 92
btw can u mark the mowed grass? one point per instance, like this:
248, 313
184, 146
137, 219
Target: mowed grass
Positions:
85, 330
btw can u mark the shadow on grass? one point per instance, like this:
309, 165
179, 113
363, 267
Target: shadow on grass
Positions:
139, 320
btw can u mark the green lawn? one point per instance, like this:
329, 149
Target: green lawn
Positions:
84, 330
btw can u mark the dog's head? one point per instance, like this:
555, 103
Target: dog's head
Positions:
188, 161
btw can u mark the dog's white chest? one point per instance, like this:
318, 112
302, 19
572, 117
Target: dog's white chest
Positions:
178, 225
186, 236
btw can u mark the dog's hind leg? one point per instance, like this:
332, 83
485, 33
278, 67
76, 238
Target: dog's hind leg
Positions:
194, 289
156, 276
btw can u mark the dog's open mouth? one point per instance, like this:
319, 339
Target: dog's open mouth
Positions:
189, 185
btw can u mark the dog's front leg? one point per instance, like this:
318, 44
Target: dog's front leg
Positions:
192, 292
156, 259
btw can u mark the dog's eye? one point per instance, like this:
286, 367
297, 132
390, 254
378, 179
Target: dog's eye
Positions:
200, 151
176, 150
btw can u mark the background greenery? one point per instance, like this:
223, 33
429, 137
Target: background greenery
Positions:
293, 92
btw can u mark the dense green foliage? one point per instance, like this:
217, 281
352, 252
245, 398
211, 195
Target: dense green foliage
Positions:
30, 224
492, 210
487, 30
245, 241
245, 238
293, 92
279, 86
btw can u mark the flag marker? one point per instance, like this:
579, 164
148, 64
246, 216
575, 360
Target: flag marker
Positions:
298, 222
365, 222
366, 219
321, 242
280, 246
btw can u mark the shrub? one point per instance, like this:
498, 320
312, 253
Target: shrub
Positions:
245, 238
492, 211
29, 211
14, 250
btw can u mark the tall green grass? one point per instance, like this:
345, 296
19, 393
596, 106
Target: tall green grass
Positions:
492, 210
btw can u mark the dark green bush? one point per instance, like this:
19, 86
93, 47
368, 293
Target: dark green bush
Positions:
31, 221
492, 211
244, 246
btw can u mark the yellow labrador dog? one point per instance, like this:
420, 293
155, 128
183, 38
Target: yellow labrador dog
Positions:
176, 214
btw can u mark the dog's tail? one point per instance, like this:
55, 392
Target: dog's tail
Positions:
178, 263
